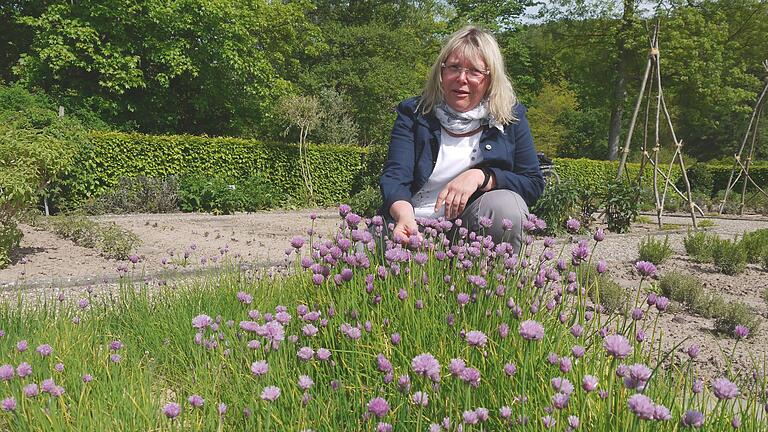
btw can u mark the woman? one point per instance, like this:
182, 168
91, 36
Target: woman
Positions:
462, 149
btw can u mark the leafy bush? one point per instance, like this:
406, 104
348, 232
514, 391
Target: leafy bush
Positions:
612, 296
755, 243
557, 204
110, 239
654, 250
700, 177
737, 314
688, 290
706, 223
137, 195
621, 206
209, 194
366, 202
729, 257
36, 146
700, 245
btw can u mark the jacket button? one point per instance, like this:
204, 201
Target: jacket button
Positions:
487, 146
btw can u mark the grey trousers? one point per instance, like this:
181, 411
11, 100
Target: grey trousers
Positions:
497, 205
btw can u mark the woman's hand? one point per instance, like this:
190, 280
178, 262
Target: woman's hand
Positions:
457, 192
405, 221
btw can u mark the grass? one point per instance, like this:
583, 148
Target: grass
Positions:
165, 359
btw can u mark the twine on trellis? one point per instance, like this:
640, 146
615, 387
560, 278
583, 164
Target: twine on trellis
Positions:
739, 164
651, 80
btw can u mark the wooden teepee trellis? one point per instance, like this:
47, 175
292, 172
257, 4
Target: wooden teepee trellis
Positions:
738, 164
651, 80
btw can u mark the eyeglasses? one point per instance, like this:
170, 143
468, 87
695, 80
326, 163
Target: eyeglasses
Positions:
454, 70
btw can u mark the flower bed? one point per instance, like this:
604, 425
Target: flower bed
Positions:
424, 337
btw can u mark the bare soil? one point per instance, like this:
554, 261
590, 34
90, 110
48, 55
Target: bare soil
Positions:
46, 264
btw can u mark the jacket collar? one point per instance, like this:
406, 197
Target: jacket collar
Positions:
433, 124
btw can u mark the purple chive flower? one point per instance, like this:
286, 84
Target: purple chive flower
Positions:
548, 421
259, 367
270, 393
462, 299
662, 303
115, 358
116, 345
31, 390
693, 419
305, 382
560, 400
470, 376
22, 345
645, 268
601, 266
8, 404
44, 350
693, 351
470, 417
736, 422
589, 384
578, 351
617, 346
476, 338
572, 225
323, 354
456, 366
698, 386
59, 367
637, 314
420, 398
378, 406
196, 401
201, 321
661, 413
383, 363
531, 330
172, 410
724, 389
305, 353
6, 372
87, 378
426, 364
740, 331
642, 406
395, 338
384, 427
222, 409
562, 385
599, 235
297, 242
510, 369
83, 303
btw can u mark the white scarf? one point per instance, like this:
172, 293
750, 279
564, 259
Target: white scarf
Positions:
463, 122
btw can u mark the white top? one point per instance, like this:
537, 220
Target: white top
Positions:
456, 155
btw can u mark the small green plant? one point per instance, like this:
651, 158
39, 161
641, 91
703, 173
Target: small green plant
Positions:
612, 296
621, 205
140, 194
689, 291
755, 243
643, 219
700, 245
110, 239
706, 223
737, 314
654, 250
729, 257
10, 237
366, 202
557, 204
670, 227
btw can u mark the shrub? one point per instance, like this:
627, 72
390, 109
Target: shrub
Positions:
621, 206
706, 223
366, 202
689, 291
700, 178
209, 194
755, 243
138, 195
654, 250
110, 239
557, 204
700, 245
729, 257
737, 314
612, 296
259, 193
10, 237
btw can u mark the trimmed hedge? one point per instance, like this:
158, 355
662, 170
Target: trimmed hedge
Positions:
721, 174
595, 175
110, 156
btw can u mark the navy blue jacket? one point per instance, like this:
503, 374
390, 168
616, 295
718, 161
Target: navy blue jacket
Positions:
416, 140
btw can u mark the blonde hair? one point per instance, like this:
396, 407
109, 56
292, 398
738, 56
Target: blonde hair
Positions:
473, 44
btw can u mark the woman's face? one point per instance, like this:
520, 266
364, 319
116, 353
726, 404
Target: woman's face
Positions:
461, 90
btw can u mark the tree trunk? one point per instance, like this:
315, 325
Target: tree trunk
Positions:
620, 84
